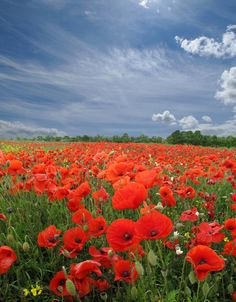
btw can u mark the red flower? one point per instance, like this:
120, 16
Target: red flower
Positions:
204, 260
167, 196
49, 237
121, 235
82, 217
209, 232
147, 178
230, 225
3, 217
74, 240
58, 284
105, 256
230, 248
7, 258
97, 226
190, 215
125, 270
154, 226
129, 197
100, 195
85, 268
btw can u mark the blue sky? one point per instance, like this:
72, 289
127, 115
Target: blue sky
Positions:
107, 67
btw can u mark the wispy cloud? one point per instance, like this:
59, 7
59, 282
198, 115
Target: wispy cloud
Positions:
205, 46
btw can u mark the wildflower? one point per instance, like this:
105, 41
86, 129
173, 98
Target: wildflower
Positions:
7, 258
49, 237
204, 260
26, 292
125, 270
154, 226
37, 290
121, 234
129, 197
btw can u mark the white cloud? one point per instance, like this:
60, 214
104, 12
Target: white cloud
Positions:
17, 129
206, 118
144, 3
188, 122
227, 94
205, 46
165, 117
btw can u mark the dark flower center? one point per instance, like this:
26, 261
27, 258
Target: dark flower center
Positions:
77, 240
125, 274
202, 261
153, 233
100, 227
61, 282
127, 236
52, 239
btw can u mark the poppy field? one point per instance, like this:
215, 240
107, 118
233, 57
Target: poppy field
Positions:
117, 222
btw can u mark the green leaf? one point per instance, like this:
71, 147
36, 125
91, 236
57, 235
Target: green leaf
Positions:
171, 296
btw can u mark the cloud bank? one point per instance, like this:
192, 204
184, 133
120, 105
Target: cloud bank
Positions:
18, 129
205, 46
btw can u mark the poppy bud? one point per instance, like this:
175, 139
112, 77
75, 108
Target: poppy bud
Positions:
230, 288
110, 253
179, 225
70, 287
85, 228
152, 258
134, 292
103, 296
139, 268
205, 288
159, 206
25, 246
10, 237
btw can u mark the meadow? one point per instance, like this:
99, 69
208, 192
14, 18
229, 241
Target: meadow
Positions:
117, 222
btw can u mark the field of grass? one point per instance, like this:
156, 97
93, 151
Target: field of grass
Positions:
117, 222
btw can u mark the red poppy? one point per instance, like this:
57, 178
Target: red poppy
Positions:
190, 215
100, 195
230, 248
85, 268
15, 167
147, 178
105, 256
209, 232
129, 197
3, 217
125, 270
101, 284
97, 226
154, 226
121, 235
167, 196
82, 217
58, 284
74, 240
230, 225
84, 189
49, 237
204, 260
7, 258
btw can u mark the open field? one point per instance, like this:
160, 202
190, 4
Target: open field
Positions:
117, 222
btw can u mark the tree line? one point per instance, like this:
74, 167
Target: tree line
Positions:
177, 137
